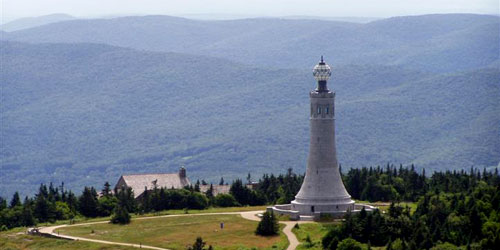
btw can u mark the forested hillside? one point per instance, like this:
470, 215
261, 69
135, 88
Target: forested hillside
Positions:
86, 113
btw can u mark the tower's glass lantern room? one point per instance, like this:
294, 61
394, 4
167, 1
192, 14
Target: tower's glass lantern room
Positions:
322, 73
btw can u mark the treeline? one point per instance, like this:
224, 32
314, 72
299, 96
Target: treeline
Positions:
56, 203
393, 183
373, 184
457, 209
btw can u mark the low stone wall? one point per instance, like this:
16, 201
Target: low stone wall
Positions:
294, 215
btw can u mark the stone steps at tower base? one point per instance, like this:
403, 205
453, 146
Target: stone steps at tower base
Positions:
306, 218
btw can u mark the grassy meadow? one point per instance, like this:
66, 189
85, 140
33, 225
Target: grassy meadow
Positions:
180, 232
316, 231
16, 239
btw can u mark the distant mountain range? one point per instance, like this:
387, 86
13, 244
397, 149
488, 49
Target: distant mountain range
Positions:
30, 22
86, 113
437, 43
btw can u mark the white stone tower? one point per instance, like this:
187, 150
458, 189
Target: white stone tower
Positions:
322, 191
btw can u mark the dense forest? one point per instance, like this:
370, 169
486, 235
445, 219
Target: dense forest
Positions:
453, 209
459, 208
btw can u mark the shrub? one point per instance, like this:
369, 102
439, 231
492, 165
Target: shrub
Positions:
225, 200
331, 239
120, 215
349, 244
444, 246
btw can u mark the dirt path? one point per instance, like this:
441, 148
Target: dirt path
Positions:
292, 239
251, 215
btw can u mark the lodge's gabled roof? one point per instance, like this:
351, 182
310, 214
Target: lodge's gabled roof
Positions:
217, 189
138, 182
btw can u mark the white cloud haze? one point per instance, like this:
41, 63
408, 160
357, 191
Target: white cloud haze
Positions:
12, 9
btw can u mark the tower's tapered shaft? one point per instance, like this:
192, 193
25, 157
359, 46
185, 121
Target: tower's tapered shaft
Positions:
322, 189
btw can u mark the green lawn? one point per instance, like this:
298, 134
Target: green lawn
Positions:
179, 232
316, 231
384, 206
17, 239
80, 219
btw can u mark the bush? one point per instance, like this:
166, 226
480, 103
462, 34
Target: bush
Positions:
349, 244
197, 201
63, 212
399, 244
444, 246
268, 225
331, 239
106, 205
120, 215
225, 200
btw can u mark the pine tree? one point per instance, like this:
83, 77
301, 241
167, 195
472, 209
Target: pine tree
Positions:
3, 203
199, 244
126, 199
268, 225
210, 191
106, 191
197, 186
28, 218
146, 201
87, 203
221, 182
120, 215
16, 200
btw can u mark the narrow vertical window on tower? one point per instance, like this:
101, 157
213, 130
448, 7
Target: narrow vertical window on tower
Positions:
327, 110
319, 109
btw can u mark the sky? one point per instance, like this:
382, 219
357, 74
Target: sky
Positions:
13, 9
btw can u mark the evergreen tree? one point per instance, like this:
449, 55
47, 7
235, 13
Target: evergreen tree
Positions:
268, 225
146, 203
197, 186
106, 205
28, 219
87, 203
199, 244
3, 203
16, 200
120, 215
210, 191
106, 191
126, 199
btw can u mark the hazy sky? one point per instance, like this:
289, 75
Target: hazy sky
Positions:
12, 9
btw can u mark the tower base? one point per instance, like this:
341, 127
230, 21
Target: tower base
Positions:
318, 211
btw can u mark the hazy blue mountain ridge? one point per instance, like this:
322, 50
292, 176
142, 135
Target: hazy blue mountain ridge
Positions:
437, 43
87, 113
30, 22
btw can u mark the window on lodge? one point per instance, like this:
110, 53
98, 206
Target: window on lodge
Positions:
319, 110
